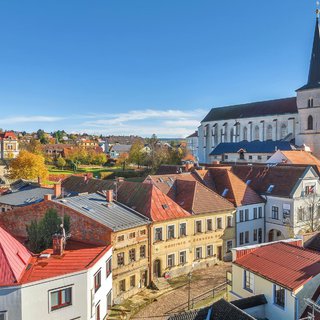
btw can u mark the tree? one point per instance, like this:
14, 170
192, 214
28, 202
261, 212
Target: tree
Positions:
28, 166
61, 162
40, 232
34, 146
136, 154
42, 136
309, 214
122, 160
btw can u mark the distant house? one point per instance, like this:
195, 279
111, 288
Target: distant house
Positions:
284, 272
248, 152
70, 283
9, 145
192, 144
117, 150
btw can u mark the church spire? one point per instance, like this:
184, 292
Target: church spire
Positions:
314, 71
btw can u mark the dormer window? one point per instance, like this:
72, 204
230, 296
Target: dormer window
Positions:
310, 103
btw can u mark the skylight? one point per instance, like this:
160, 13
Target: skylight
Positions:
248, 182
225, 191
269, 190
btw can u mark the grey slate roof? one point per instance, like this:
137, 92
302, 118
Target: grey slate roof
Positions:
255, 109
115, 216
220, 310
121, 147
252, 147
25, 196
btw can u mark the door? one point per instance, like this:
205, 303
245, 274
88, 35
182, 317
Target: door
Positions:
219, 252
157, 268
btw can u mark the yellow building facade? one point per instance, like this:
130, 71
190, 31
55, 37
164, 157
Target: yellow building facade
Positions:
182, 245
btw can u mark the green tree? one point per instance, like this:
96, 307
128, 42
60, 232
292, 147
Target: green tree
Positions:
40, 232
136, 153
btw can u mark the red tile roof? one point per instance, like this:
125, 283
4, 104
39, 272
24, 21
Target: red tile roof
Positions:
285, 264
239, 193
14, 258
77, 257
149, 201
7, 134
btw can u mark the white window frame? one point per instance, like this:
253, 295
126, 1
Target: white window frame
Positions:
174, 231
5, 314
195, 226
185, 252
155, 232
274, 296
246, 274
174, 260
182, 235
210, 219
195, 253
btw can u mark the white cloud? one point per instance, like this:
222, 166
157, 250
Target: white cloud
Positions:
28, 119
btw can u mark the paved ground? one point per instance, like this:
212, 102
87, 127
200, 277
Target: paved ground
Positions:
204, 280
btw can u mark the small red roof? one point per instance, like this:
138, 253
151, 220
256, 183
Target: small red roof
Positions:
149, 201
14, 258
285, 264
77, 257
7, 134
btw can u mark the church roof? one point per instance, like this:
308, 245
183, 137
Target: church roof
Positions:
252, 110
314, 71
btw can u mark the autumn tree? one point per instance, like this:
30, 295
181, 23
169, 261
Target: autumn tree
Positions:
136, 153
61, 162
309, 213
122, 160
28, 166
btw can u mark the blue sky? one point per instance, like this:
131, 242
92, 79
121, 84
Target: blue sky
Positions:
146, 66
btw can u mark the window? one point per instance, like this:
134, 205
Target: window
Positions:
246, 237
132, 281
198, 227
142, 232
250, 157
246, 215
158, 234
255, 213
241, 237
182, 257
219, 223
210, 251
122, 285
132, 255
283, 131
275, 213
260, 212
259, 157
170, 232
229, 246
269, 132
61, 298
229, 221
279, 296
245, 133
142, 251
226, 157
310, 123
183, 229
270, 188
260, 235
248, 281
255, 235
310, 103
209, 225
121, 238
309, 189
97, 281
256, 133
198, 253
225, 192
170, 261
120, 259
132, 235
108, 267
3, 315
109, 300
97, 312
241, 215
300, 214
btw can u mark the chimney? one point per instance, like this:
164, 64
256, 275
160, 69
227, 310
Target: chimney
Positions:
47, 197
57, 190
109, 196
189, 166
120, 179
57, 244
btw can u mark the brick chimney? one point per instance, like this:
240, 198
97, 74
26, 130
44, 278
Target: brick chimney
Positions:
57, 190
57, 244
47, 197
109, 196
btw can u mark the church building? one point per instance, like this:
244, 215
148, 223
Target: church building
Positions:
295, 120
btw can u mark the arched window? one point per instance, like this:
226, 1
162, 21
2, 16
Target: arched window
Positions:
256, 133
269, 132
310, 123
283, 131
231, 135
245, 133
310, 103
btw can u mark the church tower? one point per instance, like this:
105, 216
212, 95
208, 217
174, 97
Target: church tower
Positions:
308, 100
